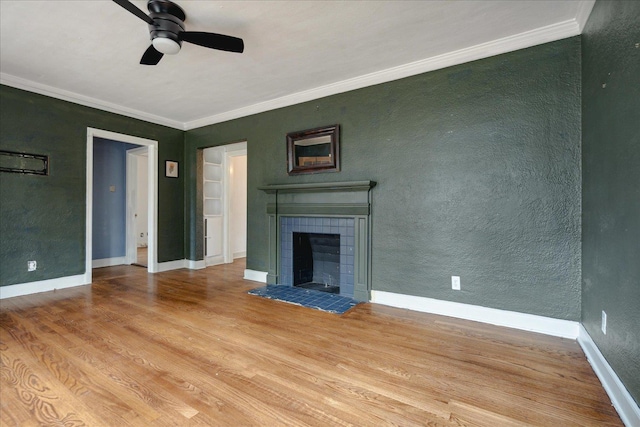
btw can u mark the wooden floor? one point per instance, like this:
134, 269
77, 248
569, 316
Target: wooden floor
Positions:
189, 348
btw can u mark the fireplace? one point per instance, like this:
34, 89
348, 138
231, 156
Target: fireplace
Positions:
320, 236
318, 251
316, 261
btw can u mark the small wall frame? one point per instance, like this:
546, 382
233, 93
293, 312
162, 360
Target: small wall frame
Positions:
314, 150
171, 169
24, 163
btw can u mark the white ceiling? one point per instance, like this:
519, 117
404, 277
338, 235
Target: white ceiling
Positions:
89, 51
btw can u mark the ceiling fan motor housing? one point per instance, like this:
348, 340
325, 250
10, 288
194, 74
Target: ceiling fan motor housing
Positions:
168, 23
166, 26
167, 31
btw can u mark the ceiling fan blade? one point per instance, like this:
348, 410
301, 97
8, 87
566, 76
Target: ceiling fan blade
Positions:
151, 56
213, 41
131, 8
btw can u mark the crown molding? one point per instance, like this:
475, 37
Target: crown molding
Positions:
87, 101
558, 31
584, 11
531, 38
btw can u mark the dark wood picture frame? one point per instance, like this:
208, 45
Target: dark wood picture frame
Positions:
314, 150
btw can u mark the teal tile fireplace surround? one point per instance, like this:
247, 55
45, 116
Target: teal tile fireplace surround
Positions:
342, 227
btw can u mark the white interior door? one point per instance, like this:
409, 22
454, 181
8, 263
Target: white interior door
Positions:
137, 203
237, 204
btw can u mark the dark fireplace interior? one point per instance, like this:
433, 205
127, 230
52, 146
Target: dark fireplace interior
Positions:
316, 261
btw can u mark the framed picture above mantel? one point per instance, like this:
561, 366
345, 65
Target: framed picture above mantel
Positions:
314, 150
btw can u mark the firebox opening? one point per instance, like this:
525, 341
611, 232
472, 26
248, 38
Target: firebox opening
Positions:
316, 261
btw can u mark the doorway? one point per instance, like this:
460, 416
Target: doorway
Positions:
224, 184
151, 147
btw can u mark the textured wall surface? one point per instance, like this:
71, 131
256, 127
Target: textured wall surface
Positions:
43, 217
611, 185
478, 171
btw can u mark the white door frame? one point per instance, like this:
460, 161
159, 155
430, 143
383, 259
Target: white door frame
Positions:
152, 147
131, 237
232, 150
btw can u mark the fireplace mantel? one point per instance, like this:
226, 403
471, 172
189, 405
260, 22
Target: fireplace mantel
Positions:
346, 199
319, 187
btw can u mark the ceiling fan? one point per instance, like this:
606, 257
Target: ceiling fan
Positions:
166, 25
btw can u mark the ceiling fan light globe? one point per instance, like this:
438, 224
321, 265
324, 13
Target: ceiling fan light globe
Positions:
166, 46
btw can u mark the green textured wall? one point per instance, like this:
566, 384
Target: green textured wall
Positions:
42, 218
478, 171
611, 185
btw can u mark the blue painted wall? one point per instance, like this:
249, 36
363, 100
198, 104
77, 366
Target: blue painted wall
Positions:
109, 208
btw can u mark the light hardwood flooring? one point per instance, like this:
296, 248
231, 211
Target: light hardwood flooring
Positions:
187, 348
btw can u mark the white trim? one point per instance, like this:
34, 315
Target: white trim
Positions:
214, 260
511, 319
88, 243
170, 265
558, 31
180, 263
42, 286
152, 206
623, 401
87, 101
152, 215
195, 265
584, 11
242, 254
108, 262
256, 276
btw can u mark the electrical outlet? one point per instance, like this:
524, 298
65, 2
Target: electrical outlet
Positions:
32, 265
603, 326
455, 283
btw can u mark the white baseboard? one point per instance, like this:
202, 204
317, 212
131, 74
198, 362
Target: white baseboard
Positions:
42, 286
195, 265
256, 276
108, 262
180, 263
242, 254
511, 319
170, 265
186, 263
623, 401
